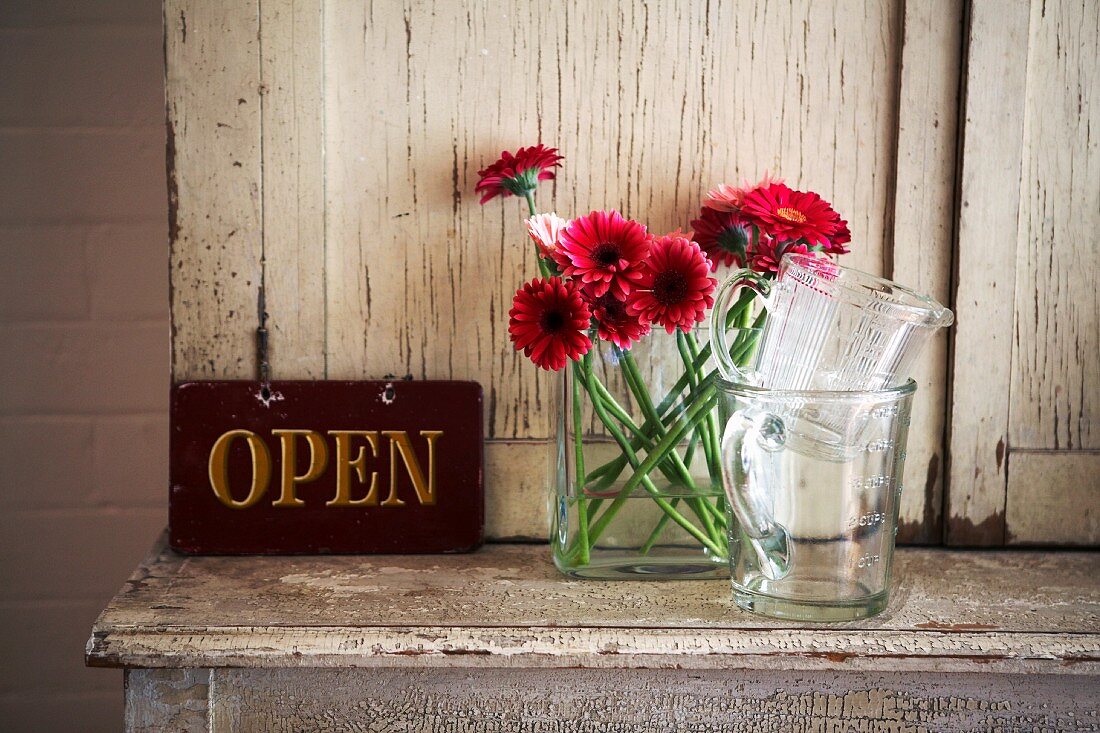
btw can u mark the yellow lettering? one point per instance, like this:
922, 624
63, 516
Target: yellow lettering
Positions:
344, 464
400, 443
318, 461
219, 468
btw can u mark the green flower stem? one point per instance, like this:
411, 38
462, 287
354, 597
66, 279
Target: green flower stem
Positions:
641, 477
637, 386
649, 543
711, 427
641, 440
705, 400
688, 358
620, 414
582, 502
617, 465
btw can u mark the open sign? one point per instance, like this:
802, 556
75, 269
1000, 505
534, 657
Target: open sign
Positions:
314, 467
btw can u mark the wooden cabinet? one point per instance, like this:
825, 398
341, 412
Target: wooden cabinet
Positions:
329, 148
498, 641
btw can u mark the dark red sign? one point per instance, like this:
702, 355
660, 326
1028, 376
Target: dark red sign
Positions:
326, 467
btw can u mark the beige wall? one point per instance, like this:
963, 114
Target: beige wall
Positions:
83, 340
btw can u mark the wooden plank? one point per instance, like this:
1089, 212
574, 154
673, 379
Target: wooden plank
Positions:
291, 49
644, 127
517, 477
1052, 498
1056, 362
167, 699
984, 300
214, 177
536, 701
923, 235
508, 606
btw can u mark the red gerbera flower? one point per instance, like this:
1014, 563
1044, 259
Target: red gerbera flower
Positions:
604, 251
675, 289
517, 174
730, 198
840, 237
548, 321
616, 324
765, 256
784, 214
723, 237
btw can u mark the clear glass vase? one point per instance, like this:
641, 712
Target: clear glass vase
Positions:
612, 515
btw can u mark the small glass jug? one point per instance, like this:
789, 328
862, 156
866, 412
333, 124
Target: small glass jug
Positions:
816, 501
830, 327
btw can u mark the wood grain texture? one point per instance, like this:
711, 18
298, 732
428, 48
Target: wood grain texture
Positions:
923, 237
538, 701
367, 122
215, 174
1053, 498
646, 126
1056, 359
291, 49
984, 295
508, 606
176, 700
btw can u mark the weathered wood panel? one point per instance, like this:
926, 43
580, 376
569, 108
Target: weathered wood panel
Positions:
174, 700
291, 48
214, 185
645, 126
508, 606
924, 229
984, 300
548, 701
1027, 375
1056, 359
1053, 497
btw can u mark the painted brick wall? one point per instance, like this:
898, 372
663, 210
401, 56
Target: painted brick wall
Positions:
83, 340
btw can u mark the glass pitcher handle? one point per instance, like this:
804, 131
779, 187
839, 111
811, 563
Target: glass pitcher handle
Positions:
719, 345
749, 477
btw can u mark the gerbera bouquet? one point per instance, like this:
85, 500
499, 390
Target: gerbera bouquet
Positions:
608, 285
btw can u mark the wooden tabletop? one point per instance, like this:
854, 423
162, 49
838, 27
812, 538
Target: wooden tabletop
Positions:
507, 606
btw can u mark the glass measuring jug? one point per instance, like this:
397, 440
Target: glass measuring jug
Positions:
830, 327
816, 507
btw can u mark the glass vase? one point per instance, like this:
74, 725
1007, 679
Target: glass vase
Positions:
620, 507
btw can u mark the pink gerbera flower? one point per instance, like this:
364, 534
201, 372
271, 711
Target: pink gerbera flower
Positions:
764, 257
548, 321
545, 229
615, 323
730, 198
603, 251
675, 289
784, 214
723, 237
517, 174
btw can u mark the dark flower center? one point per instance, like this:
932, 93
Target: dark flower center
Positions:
611, 311
551, 321
606, 253
669, 287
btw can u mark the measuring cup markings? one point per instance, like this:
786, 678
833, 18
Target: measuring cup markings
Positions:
867, 561
869, 483
878, 446
869, 519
